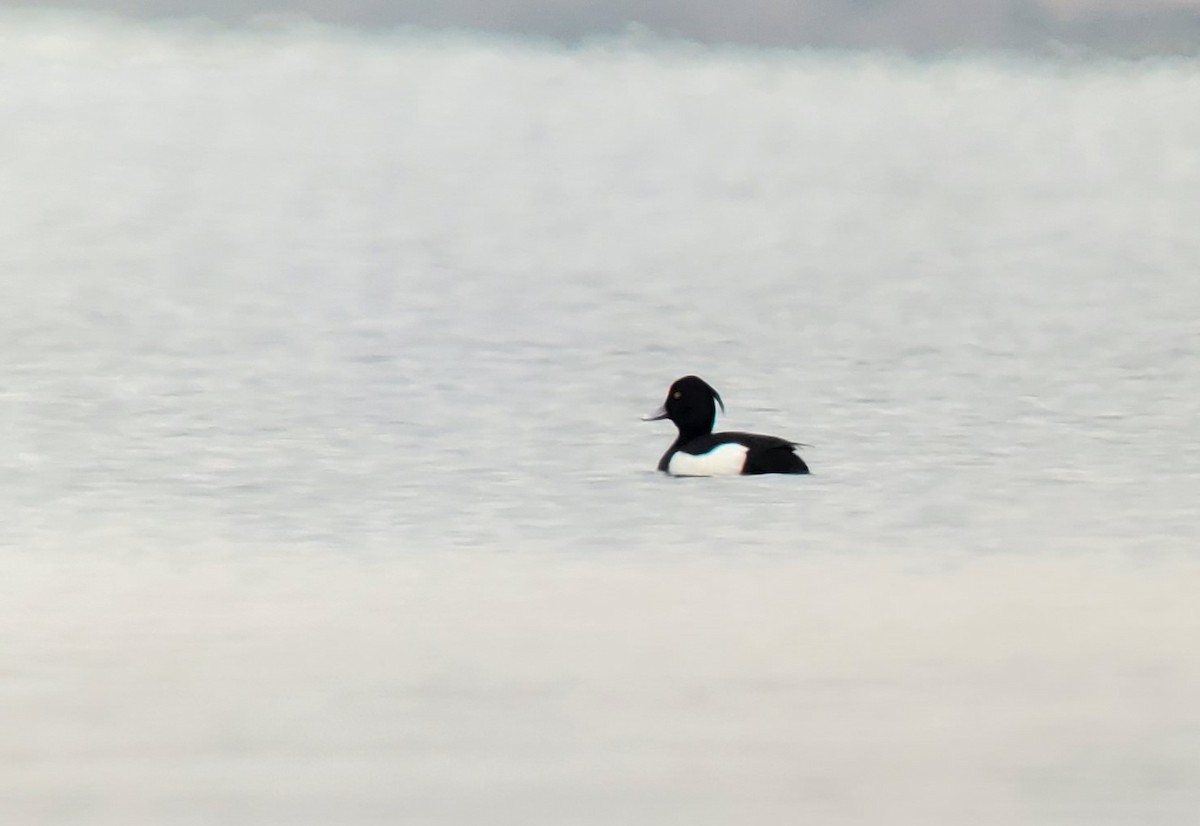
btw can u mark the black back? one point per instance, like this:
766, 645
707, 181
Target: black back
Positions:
769, 454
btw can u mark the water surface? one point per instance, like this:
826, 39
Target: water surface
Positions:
327, 499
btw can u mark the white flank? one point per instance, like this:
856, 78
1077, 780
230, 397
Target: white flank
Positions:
722, 460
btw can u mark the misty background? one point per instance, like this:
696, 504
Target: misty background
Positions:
1142, 27
323, 352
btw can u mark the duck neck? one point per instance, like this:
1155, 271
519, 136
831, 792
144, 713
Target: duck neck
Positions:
695, 427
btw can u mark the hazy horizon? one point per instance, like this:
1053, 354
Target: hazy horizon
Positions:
1105, 26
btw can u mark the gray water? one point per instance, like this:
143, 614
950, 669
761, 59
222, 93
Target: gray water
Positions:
327, 498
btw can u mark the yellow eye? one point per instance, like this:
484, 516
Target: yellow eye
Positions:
676, 394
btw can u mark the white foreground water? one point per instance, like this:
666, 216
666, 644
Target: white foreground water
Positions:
326, 498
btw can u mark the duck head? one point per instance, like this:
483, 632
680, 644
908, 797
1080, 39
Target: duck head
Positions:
692, 405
